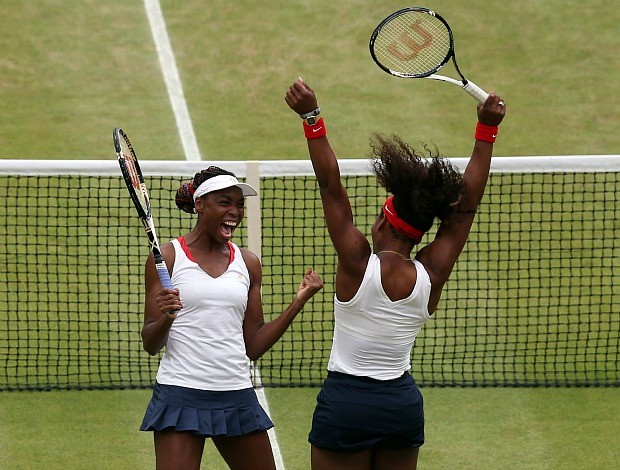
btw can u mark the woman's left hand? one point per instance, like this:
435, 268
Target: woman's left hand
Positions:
310, 285
492, 112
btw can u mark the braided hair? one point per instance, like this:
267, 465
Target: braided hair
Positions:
425, 185
185, 194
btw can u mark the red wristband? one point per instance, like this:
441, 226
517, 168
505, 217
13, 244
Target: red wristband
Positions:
486, 133
316, 131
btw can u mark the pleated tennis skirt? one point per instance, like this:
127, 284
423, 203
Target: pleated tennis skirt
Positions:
203, 412
356, 413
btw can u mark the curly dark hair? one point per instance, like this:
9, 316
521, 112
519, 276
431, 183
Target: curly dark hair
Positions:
424, 184
185, 194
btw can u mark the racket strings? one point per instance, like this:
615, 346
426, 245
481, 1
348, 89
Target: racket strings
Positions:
414, 43
139, 187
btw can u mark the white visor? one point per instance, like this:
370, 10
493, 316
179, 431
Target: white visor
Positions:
222, 182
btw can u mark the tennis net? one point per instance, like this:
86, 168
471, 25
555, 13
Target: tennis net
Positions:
533, 300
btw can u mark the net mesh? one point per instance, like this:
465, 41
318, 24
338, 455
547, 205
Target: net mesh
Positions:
533, 300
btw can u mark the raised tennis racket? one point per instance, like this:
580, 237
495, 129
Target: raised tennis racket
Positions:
416, 42
137, 190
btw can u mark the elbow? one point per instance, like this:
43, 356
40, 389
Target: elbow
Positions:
151, 351
255, 352
253, 355
148, 346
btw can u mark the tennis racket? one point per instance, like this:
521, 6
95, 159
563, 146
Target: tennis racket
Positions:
416, 42
137, 190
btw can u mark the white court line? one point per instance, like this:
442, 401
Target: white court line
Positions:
171, 77
262, 398
190, 146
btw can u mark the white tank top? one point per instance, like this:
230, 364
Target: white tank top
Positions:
205, 348
373, 335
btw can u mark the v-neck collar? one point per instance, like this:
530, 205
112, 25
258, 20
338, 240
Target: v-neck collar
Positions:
189, 255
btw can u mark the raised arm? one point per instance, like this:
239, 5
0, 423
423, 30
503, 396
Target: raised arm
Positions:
439, 257
259, 336
351, 245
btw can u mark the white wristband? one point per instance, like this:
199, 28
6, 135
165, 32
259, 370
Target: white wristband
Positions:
316, 112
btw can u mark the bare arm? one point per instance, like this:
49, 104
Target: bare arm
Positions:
259, 336
351, 245
157, 303
439, 257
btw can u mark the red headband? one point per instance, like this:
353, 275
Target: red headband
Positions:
398, 223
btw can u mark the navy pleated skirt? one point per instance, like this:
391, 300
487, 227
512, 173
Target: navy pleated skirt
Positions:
356, 413
206, 413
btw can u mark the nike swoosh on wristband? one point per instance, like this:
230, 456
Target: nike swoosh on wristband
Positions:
317, 130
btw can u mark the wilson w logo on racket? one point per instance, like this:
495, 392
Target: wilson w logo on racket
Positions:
408, 45
132, 174
416, 42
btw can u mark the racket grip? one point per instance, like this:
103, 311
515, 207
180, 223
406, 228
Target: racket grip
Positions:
164, 277
475, 91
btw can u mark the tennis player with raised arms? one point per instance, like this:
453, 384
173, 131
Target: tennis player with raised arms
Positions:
369, 412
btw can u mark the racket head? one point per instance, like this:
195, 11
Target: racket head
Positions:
413, 42
132, 174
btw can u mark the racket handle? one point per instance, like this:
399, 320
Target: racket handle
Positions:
164, 276
475, 91
162, 272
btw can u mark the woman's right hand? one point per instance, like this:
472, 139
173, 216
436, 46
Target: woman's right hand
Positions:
301, 98
169, 302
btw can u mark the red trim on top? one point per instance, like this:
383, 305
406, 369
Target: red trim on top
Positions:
232, 253
188, 253
185, 249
